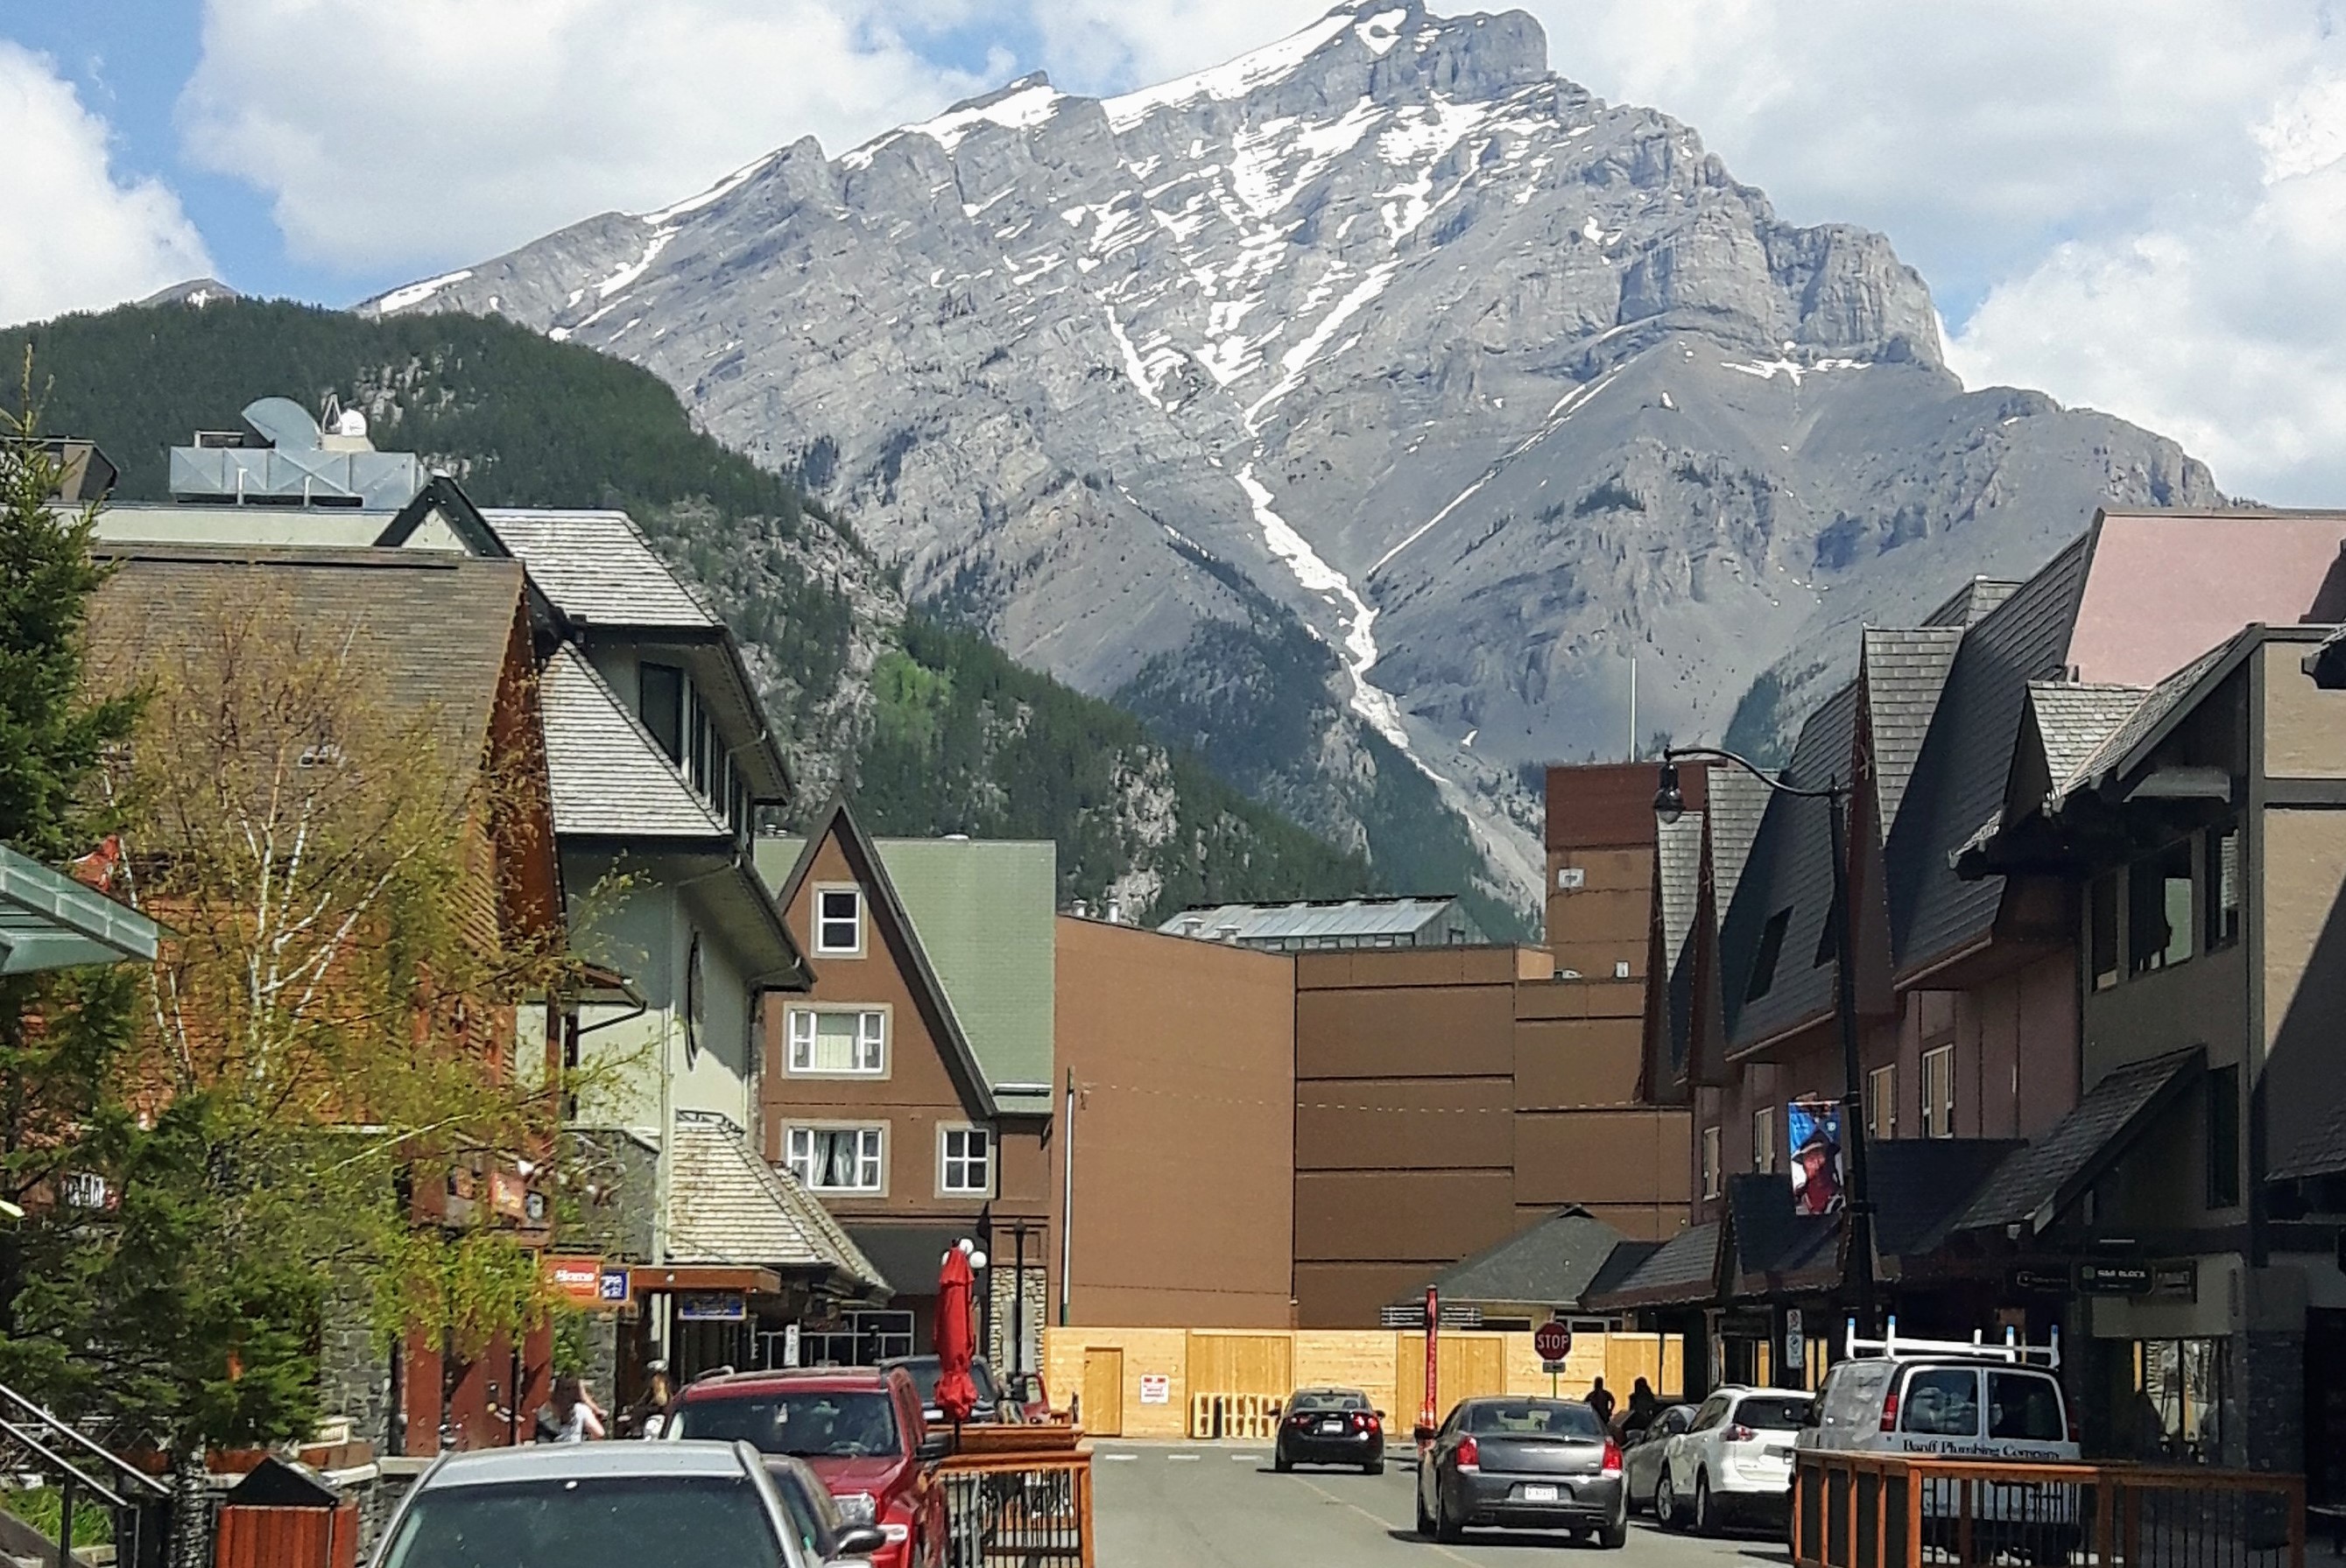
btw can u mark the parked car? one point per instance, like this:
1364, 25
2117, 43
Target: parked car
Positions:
1642, 1449
1978, 1399
827, 1538
1734, 1460
926, 1371
1330, 1426
596, 1505
858, 1428
1026, 1393
1513, 1463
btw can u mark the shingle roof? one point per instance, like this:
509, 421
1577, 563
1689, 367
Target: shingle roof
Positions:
1736, 803
2041, 1180
1790, 871
1961, 773
2321, 1153
434, 627
2140, 721
1967, 604
1903, 673
1768, 1235
597, 568
1553, 1259
1918, 1185
1679, 855
2073, 720
1684, 1268
609, 778
726, 1206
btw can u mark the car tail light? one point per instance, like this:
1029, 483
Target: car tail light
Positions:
1364, 1421
1373, 1422
1740, 1433
1890, 1411
1612, 1465
1470, 1455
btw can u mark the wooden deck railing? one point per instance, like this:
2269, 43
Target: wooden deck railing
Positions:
1018, 1497
1886, 1511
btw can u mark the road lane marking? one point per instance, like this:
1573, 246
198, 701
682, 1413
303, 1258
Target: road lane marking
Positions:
1122, 1457
1382, 1522
1245, 1459
1183, 1457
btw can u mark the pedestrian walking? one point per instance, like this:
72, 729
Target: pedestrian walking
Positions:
571, 1415
647, 1417
1642, 1406
1602, 1403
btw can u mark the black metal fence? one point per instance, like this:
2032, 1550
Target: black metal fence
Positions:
1009, 1510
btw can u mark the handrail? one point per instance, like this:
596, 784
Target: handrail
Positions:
59, 1424
62, 1463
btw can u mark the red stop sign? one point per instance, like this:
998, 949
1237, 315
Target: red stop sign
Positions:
1553, 1340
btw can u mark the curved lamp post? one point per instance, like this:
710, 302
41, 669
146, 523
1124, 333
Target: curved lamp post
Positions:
1669, 805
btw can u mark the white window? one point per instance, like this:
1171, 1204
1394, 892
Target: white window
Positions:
1881, 1104
1710, 1162
1939, 1093
838, 919
1763, 1139
965, 1161
843, 1041
837, 1160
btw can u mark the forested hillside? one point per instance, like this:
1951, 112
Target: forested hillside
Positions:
932, 728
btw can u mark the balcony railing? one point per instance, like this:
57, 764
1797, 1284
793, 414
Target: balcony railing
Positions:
1018, 1497
1886, 1511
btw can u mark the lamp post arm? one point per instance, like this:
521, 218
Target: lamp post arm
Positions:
1832, 791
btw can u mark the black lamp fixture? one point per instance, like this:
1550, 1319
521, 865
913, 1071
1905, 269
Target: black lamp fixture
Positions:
1670, 806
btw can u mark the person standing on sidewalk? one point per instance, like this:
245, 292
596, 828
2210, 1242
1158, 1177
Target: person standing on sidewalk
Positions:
571, 1415
1601, 1402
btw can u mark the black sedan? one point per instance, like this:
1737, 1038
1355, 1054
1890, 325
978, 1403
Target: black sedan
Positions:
1330, 1426
1517, 1463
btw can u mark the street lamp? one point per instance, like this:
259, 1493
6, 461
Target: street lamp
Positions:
1669, 805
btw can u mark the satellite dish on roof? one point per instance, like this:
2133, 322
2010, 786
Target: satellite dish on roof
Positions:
352, 422
283, 423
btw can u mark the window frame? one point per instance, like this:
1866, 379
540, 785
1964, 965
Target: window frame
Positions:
1764, 1118
2220, 922
862, 1011
875, 1153
1712, 1182
989, 1159
1937, 1121
1881, 1103
1768, 954
2153, 874
818, 918
673, 747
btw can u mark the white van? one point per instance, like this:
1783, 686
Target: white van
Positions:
1953, 1398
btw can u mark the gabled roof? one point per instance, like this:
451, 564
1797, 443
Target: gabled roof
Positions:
1902, 673
1683, 1270
1768, 1241
2321, 1152
2073, 720
984, 909
727, 1207
600, 569
1791, 873
1553, 1260
2149, 717
1918, 1186
888, 907
1971, 602
2040, 1180
1736, 803
609, 777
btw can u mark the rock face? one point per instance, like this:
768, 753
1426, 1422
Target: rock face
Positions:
1383, 331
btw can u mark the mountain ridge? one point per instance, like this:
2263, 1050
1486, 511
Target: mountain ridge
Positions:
1385, 332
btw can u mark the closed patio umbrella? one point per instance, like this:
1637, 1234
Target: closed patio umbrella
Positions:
956, 1393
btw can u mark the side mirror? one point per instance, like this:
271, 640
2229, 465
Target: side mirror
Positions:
1379, 1414
859, 1541
932, 1450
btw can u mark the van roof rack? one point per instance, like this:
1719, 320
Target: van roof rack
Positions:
1977, 1347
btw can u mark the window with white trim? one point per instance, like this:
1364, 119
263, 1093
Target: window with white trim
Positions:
838, 919
837, 1160
1939, 1093
965, 1161
830, 1042
1763, 1139
1710, 1172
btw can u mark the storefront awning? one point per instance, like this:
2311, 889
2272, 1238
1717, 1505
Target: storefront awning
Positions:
2037, 1183
48, 921
909, 1255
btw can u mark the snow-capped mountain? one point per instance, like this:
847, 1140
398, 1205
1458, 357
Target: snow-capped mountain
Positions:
1385, 331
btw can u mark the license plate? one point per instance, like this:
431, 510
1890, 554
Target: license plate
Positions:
1332, 1426
1539, 1494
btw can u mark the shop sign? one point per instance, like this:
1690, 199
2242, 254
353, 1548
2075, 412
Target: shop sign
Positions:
577, 1281
612, 1286
2040, 1282
2114, 1279
1155, 1388
1796, 1345
711, 1306
2175, 1281
790, 1345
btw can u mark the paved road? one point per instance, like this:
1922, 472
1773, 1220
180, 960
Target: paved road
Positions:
1203, 1505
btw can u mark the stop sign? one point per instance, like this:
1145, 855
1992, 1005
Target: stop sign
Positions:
1553, 1340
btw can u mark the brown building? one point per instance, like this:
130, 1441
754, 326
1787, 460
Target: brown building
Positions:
1600, 869
1183, 1058
873, 1096
1445, 1099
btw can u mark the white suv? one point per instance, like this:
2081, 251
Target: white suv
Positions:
1734, 1460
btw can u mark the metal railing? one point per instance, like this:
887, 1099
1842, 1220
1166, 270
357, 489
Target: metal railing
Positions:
1893, 1511
74, 1461
1018, 1497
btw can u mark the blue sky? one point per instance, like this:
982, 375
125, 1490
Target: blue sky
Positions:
2137, 204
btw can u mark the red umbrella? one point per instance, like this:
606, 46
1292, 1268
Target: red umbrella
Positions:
956, 1393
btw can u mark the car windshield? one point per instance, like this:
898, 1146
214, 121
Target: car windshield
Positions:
1534, 1418
1328, 1401
810, 1423
700, 1522
1773, 1414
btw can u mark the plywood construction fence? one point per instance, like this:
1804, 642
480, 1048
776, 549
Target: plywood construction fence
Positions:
1204, 1382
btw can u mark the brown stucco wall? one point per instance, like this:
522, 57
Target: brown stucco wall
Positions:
2303, 918
1183, 1053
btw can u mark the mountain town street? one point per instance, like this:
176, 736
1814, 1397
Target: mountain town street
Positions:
1209, 1505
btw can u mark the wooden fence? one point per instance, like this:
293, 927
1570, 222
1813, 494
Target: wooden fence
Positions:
1198, 1383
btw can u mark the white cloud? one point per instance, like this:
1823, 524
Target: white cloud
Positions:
81, 238
396, 133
